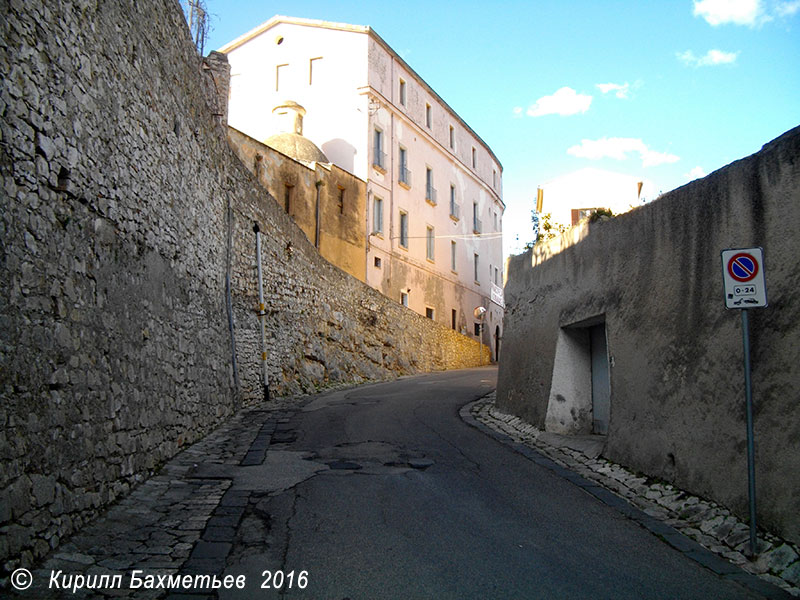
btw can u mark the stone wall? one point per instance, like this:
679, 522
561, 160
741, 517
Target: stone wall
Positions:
342, 230
653, 277
126, 220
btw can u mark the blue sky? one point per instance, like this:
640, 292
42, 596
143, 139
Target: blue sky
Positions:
660, 90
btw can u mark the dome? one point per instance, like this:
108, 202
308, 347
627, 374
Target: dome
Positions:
288, 117
296, 146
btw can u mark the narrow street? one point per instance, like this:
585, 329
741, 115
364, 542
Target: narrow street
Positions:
376, 492
397, 497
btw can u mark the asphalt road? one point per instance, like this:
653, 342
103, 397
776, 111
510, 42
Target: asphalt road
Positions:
386, 493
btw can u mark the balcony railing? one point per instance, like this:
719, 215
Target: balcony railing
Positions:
379, 159
430, 194
455, 211
404, 176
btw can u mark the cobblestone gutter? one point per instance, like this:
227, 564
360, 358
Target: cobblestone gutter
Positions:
709, 524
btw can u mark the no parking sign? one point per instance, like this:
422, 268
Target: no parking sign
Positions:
745, 287
743, 277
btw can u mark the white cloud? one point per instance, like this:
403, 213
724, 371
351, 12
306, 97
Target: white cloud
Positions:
787, 9
620, 90
738, 12
695, 173
618, 149
712, 58
564, 102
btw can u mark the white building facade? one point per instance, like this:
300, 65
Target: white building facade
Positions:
434, 188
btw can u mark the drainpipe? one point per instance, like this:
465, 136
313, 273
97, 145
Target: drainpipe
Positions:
262, 313
318, 184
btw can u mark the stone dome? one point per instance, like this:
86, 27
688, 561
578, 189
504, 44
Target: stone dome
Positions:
288, 117
296, 146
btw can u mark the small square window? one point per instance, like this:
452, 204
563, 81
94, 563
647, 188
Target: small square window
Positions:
403, 298
429, 312
377, 262
477, 330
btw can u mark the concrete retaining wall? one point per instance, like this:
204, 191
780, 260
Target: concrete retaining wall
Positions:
654, 277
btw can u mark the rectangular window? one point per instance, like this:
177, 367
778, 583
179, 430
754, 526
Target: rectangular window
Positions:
377, 262
377, 215
452, 138
453, 256
453, 316
404, 230
341, 201
280, 72
403, 298
474, 158
404, 175
496, 276
379, 158
495, 222
287, 198
477, 330
430, 246
477, 263
476, 222
430, 191
402, 92
429, 312
428, 118
313, 69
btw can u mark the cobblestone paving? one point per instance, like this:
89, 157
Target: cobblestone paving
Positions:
710, 524
170, 524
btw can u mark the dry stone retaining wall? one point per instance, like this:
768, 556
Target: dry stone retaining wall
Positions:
125, 220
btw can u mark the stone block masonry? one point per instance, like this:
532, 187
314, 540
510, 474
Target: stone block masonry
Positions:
123, 213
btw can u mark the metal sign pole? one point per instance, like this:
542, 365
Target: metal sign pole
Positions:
745, 286
751, 468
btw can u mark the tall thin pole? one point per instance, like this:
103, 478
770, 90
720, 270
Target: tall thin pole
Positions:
751, 470
261, 316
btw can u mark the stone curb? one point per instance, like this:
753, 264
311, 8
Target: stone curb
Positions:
655, 507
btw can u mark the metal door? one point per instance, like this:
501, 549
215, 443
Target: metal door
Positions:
601, 389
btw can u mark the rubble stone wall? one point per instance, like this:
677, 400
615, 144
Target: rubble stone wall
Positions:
126, 218
654, 277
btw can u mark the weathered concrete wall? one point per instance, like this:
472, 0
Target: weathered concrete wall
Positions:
654, 276
122, 208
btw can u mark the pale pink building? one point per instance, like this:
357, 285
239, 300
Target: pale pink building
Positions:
434, 188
